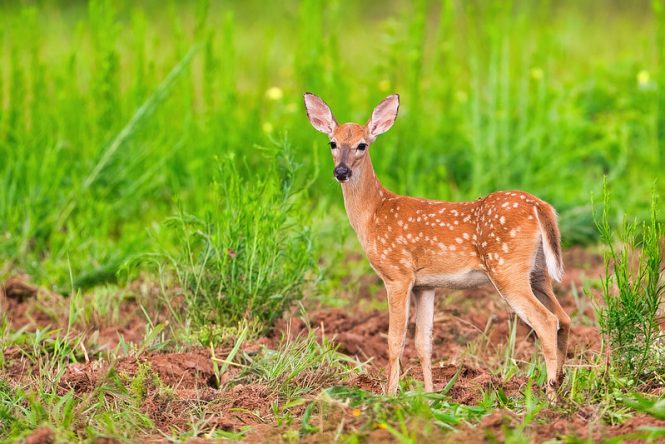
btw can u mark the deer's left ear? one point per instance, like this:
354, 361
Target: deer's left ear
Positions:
384, 115
319, 114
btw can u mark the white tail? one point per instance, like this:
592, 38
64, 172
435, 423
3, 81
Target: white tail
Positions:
551, 245
508, 238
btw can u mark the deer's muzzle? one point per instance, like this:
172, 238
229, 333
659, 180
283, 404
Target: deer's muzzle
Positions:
342, 172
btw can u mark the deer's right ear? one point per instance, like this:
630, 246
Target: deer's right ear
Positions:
319, 114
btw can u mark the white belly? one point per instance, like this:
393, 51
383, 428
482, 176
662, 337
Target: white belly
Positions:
458, 281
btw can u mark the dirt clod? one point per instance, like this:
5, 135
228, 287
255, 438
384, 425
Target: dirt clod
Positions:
41, 435
18, 288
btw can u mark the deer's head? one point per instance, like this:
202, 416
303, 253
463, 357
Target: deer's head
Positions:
350, 142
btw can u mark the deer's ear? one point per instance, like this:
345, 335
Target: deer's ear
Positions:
384, 115
319, 114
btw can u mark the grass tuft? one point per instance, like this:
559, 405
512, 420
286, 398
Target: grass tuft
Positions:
633, 296
300, 366
250, 258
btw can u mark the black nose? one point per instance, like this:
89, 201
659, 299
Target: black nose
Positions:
342, 172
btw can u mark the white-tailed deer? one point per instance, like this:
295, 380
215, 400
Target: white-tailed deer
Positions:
508, 238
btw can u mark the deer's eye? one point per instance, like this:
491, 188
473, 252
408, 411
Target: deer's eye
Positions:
333, 145
362, 146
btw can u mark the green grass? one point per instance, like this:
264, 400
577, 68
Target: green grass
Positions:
299, 367
112, 116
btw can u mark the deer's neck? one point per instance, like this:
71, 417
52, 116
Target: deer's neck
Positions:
363, 194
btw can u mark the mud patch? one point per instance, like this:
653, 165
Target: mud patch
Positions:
243, 405
635, 427
369, 381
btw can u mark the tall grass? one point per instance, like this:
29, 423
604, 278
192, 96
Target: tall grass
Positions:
108, 121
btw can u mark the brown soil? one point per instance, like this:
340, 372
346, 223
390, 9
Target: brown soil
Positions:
41, 435
634, 424
552, 425
178, 384
184, 382
30, 307
17, 299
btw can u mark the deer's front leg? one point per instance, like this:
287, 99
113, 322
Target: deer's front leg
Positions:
398, 310
424, 321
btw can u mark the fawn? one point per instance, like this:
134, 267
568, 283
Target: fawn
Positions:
508, 238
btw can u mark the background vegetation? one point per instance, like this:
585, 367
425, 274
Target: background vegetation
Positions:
113, 114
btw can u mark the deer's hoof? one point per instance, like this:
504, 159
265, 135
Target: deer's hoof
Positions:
551, 391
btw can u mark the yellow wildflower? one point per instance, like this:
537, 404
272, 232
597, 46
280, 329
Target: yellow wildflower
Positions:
384, 85
643, 78
274, 93
536, 73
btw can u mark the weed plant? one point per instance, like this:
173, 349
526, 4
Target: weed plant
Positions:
251, 256
634, 295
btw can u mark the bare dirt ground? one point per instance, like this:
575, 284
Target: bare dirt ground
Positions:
475, 320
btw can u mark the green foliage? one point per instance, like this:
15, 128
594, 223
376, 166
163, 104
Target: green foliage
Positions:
248, 258
109, 410
104, 129
9, 401
138, 385
633, 295
652, 405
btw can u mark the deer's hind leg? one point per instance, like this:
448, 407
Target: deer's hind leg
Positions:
523, 301
512, 279
541, 284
